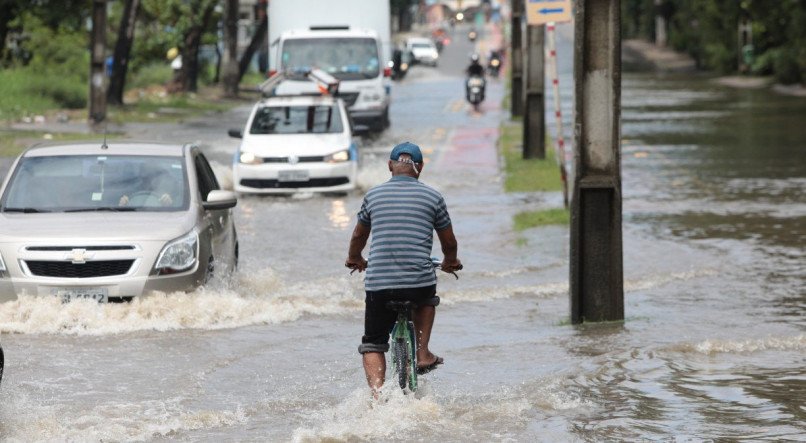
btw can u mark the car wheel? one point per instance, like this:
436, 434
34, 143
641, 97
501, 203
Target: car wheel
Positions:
385, 122
237, 256
208, 274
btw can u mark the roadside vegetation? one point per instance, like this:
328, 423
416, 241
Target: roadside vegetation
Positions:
12, 143
45, 61
708, 30
532, 175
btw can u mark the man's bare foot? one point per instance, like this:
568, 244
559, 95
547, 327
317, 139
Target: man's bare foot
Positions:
429, 364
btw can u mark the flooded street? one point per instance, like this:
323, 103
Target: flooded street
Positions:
713, 345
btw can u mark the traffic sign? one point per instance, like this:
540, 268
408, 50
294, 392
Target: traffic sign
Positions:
540, 12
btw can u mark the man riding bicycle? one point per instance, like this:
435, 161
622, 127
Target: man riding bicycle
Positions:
402, 215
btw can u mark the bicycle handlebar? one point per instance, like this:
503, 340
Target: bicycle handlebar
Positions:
436, 262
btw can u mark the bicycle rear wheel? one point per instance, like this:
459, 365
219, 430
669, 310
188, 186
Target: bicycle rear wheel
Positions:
401, 358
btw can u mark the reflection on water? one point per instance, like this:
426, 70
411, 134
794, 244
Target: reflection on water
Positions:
339, 218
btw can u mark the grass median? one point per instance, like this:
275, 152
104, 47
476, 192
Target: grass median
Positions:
530, 175
13, 142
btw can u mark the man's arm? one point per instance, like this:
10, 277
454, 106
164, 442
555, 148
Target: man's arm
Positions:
358, 241
449, 249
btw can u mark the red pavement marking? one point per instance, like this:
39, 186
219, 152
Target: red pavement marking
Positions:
472, 149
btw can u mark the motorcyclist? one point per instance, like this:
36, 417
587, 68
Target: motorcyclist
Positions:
475, 69
494, 62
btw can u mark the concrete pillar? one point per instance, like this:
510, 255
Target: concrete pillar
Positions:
534, 119
98, 79
517, 58
660, 26
597, 287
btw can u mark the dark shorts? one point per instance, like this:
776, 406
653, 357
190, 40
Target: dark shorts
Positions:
379, 321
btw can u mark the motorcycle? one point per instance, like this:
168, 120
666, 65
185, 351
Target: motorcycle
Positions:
475, 91
494, 66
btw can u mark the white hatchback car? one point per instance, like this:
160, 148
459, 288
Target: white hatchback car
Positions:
296, 143
112, 222
423, 50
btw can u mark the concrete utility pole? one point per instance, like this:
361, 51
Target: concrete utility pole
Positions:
517, 59
597, 286
534, 121
97, 63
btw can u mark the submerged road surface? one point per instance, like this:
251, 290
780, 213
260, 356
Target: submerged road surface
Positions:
712, 347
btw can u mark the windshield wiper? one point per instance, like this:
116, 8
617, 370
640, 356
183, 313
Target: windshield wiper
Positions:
104, 208
25, 210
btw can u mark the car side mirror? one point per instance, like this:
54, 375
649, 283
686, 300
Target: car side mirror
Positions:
220, 199
235, 133
360, 130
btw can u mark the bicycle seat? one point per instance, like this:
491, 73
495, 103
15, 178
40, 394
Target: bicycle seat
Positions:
400, 305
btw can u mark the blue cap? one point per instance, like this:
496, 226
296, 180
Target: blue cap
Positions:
407, 148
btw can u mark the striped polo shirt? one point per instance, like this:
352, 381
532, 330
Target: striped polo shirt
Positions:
402, 215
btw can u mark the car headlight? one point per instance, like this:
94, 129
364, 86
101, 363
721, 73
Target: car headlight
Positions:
338, 157
250, 158
178, 255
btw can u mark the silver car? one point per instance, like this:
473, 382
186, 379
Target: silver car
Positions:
112, 222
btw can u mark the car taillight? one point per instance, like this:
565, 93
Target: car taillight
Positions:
271, 72
387, 72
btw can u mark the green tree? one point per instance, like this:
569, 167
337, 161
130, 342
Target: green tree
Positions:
182, 24
708, 31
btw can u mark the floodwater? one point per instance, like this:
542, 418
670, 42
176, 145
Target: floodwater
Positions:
712, 348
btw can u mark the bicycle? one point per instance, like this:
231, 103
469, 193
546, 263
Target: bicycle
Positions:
404, 345
403, 349
404, 339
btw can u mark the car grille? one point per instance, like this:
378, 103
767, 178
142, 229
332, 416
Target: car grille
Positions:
310, 159
349, 98
66, 269
312, 183
86, 248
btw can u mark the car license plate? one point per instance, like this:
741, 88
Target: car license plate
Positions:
101, 295
293, 176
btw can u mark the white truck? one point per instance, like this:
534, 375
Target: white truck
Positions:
348, 39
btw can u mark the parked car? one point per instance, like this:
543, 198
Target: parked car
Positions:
423, 50
296, 143
113, 222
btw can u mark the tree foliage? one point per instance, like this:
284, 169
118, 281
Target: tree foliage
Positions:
708, 30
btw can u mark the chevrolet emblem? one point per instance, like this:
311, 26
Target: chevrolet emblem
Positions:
79, 256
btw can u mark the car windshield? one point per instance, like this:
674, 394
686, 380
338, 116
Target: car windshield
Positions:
343, 58
320, 119
77, 183
421, 45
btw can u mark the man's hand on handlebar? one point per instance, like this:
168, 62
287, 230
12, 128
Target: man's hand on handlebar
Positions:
451, 266
356, 264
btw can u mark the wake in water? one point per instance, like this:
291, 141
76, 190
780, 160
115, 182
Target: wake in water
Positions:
259, 298
113, 420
